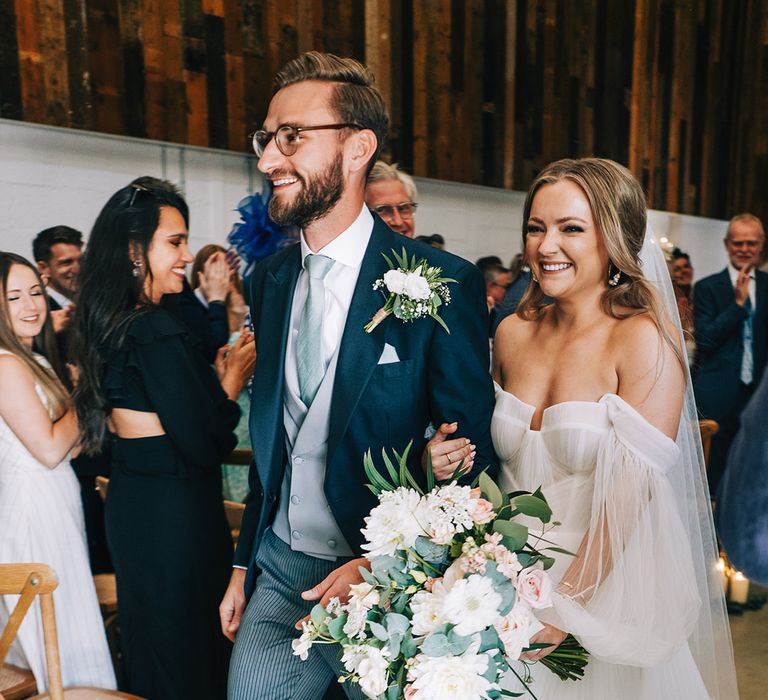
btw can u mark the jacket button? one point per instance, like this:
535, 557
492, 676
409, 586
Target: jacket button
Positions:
332, 544
295, 500
296, 535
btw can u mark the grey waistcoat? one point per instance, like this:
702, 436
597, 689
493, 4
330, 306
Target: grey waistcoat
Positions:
304, 519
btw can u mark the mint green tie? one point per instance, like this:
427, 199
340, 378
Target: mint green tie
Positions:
309, 360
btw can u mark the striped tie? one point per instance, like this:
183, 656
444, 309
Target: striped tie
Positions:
309, 361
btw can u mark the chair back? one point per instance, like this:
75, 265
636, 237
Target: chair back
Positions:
707, 428
28, 581
102, 486
234, 513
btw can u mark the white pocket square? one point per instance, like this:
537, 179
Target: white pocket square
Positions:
389, 355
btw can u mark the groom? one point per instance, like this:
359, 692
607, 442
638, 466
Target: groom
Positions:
324, 390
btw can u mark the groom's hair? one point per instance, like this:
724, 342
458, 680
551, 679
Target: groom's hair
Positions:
355, 99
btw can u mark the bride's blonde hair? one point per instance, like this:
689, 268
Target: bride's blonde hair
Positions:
618, 208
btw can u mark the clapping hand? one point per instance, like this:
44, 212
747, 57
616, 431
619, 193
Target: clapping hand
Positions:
447, 454
235, 364
61, 318
741, 290
214, 279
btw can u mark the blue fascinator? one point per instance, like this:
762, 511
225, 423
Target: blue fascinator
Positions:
256, 236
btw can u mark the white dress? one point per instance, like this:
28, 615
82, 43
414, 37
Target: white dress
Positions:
604, 471
41, 520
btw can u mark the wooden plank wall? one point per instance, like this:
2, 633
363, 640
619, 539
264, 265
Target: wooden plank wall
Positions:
480, 91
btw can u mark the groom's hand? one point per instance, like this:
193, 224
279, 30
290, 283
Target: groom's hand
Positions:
233, 604
336, 584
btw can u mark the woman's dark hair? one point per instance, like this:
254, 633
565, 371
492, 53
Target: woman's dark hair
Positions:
53, 383
113, 272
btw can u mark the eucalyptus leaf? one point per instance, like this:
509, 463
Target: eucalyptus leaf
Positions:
318, 615
534, 507
396, 623
390, 468
515, 535
336, 628
490, 490
432, 552
436, 645
379, 631
458, 643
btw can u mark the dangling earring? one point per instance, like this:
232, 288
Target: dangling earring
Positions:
533, 277
136, 271
613, 280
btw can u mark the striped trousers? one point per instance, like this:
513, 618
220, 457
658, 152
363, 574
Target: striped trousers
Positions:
263, 666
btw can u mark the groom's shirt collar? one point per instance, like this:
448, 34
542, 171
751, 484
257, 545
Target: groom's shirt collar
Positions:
348, 248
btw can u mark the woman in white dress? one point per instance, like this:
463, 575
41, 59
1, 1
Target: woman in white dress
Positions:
593, 404
41, 518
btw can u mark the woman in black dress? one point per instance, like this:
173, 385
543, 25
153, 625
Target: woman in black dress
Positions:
142, 376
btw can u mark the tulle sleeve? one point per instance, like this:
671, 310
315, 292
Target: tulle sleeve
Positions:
630, 596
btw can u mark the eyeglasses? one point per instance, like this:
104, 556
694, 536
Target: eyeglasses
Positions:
405, 209
742, 244
287, 137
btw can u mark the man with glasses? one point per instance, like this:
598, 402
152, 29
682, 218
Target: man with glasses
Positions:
392, 194
731, 331
324, 390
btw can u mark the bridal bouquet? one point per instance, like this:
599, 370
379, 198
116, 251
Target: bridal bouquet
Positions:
449, 599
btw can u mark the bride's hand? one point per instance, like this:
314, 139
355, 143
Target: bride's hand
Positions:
549, 635
446, 454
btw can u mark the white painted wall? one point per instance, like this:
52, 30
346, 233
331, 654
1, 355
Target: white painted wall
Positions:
51, 176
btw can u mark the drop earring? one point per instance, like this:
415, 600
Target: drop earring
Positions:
136, 271
613, 280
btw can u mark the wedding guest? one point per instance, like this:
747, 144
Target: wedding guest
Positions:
41, 517
497, 281
210, 272
742, 500
682, 281
392, 194
57, 252
600, 415
170, 420
731, 330
435, 240
201, 304
487, 262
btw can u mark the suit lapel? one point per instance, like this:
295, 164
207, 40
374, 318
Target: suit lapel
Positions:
359, 352
268, 380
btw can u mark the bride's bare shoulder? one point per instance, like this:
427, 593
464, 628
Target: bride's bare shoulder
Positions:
513, 330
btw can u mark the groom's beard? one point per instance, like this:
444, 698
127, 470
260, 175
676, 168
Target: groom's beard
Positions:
316, 198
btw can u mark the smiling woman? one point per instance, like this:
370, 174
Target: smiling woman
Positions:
41, 516
143, 375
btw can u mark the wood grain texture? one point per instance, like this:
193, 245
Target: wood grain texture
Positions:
479, 91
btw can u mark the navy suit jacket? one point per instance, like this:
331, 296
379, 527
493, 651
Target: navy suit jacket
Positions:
718, 325
440, 377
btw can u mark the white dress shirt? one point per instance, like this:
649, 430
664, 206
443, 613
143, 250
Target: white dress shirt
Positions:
734, 274
59, 298
347, 250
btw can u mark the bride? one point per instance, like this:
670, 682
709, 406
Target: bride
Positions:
600, 414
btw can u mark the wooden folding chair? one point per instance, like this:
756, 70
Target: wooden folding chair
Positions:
707, 428
29, 581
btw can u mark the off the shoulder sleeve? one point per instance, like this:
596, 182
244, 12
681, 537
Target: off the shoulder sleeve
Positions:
184, 391
630, 596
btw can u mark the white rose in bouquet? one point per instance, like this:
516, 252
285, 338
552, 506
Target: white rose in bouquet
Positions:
395, 523
449, 678
370, 664
428, 609
535, 587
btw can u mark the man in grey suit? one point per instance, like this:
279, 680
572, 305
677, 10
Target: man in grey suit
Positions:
324, 390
